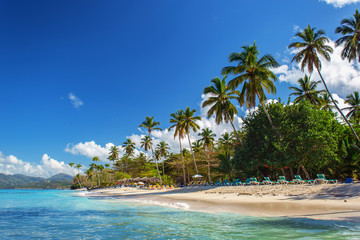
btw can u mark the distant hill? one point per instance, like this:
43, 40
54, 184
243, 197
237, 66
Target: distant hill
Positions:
60, 180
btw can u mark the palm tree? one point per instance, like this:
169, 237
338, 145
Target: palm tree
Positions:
146, 143
99, 167
129, 147
326, 103
207, 139
221, 106
94, 165
350, 29
78, 166
307, 91
197, 146
76, 176
188, 123
255, 74
150, 124
113, 155
163, 149
226, 141
354, 110
177, 119
314, 43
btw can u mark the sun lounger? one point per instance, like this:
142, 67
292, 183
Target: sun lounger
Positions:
267, 181
298, 179
217, 183
255, 181
237, 182
225, 183
248, 181
282, 180
321, 178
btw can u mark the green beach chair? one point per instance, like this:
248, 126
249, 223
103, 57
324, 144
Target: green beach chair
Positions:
248, 181
237, 182
321, 178
225, 183
298, 179
267, 181
282, 180
255, 181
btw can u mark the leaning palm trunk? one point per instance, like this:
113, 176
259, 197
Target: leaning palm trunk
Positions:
77, 177
208, 165
182, 159
307, 175
192, 153
99, 179
266, 112
327, 90
157, 167
237, 134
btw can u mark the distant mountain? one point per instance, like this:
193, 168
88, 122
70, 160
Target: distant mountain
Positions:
60, 180
61, 177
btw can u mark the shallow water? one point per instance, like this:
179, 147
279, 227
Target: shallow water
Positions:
52, 214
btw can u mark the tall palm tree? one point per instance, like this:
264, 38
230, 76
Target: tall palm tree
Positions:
129, 147
326, 103
99, 167
314, 43
146, 143
226, 141
113, 155
163, 149
350, 29
354, 110
188, 123
255, 74
219, 100
76, 176
78, 166
177, 119
150, 124
94, 165
207, 139
307, 91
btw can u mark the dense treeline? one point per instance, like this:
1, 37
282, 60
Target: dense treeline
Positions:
305, 137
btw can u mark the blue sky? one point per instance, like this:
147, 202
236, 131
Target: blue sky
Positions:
123, 60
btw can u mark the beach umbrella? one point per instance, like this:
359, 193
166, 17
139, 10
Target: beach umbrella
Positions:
197, 176
140, 183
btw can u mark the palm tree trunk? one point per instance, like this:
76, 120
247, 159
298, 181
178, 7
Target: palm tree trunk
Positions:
157, 167
192, 153
327, 90
182, 159
266, 112
237, 135
307, 175
79, 181
208, 164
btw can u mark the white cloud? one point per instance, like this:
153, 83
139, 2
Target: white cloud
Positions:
75, 101
48, 167
340, 3
341, 76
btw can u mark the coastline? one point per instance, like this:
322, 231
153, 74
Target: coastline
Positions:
321, 202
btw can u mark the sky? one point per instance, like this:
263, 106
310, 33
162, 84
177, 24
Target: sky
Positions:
78, 77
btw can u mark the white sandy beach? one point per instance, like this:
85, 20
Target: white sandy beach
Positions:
327, 202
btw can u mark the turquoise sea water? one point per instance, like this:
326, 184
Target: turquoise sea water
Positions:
53, 214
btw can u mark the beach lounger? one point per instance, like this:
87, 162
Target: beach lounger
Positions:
267, 181
282, 180
321, 178
248, 181
237, 182
298, 179
225, 183
217, 183
255, 181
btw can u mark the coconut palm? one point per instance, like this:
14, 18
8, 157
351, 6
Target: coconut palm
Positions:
72, 165
78, 166
146, 143
350, 29
163, 149
150, 124
314, 44
255, 74
226, 141
129, 147
188, 123
197, 146
207, 139
94, 166
177, 119
113, 154
326, 103
219, 100
99, 167
354, 110
307, 91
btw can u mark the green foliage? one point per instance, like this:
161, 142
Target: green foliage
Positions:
122, 175
307, 136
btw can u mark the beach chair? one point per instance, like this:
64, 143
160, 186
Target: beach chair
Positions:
225, 183
255, 181
298, 179
282, 180
248, 181
237, 182
217, 183
267, 181
321, 178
